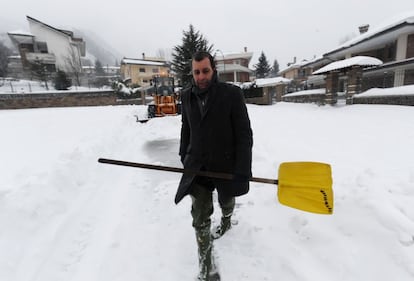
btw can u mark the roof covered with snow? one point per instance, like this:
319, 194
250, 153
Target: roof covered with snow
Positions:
263, 82
61, 31
294, 65
221, 68
232, 55
386, 31
142, 62
358, 60
20, 33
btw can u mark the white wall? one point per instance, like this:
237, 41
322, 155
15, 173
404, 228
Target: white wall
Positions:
57, 43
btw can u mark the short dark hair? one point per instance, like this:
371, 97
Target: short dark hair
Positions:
200, 55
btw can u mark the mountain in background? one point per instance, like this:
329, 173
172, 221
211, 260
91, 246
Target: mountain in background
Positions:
96, 46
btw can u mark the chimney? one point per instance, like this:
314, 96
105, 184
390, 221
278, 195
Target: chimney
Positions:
143, 56
245, 49
290, 63
363, 28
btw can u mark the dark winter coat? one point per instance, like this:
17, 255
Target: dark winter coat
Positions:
218, 140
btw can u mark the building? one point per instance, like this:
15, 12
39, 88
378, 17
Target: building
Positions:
297, 73
108, 71
52, 47
392, 43
234, 67
265, 91
141, 71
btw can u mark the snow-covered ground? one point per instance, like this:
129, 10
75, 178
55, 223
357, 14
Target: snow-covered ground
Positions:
65, 217
16, 86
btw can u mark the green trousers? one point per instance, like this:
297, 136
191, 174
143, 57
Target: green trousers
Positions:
202, 206
201, 210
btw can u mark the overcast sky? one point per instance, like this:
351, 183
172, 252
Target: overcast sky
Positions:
281, 29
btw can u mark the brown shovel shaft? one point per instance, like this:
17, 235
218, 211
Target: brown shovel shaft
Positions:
215, 175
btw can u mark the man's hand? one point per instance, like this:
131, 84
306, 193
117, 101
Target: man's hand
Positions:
240, 178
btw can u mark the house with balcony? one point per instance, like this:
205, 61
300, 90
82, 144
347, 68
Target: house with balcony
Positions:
142, 71
297, 73
54, 48
234, 67
381, 57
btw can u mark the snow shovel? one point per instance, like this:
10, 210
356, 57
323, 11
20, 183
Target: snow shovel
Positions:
306, 186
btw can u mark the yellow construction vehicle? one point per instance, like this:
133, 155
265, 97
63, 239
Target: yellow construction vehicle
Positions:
166, 100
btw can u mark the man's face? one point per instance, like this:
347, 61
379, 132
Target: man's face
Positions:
202, 73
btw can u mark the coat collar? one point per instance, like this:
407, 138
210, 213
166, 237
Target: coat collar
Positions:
212, 95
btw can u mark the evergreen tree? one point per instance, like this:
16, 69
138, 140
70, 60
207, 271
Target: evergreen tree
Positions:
99, 71
62, 82
262, 68
275, 69
192, 42
100, 79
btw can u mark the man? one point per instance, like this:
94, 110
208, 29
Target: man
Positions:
215, 137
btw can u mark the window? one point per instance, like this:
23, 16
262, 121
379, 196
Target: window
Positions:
27, 47
410, 46
155, 70
41, 47
141, 69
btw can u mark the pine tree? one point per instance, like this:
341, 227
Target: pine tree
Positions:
193, 41
275, 69
100, 79
262, 68
99, 69
62, 82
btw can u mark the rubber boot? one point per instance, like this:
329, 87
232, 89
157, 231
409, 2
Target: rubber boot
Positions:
227, 206
205, 245
222, 228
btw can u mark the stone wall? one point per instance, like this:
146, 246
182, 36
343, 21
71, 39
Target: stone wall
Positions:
392, 100
265, 99
57, 99
332, 86
315, 98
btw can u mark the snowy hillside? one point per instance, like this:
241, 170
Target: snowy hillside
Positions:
98, 48
65, 217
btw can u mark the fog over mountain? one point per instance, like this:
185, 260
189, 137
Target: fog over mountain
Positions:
98, 48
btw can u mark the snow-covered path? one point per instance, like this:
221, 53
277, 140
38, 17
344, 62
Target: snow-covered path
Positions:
64, 216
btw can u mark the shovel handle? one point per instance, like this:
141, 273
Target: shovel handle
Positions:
215, 175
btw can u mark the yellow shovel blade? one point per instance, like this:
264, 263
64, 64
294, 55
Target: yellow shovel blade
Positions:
306, 186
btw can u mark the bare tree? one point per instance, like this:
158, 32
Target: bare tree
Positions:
4, 53
74, 65
40, 71
166, 54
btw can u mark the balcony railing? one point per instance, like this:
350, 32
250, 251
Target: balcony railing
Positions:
43, 57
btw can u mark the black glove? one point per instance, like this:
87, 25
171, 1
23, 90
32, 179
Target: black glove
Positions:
240, 178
